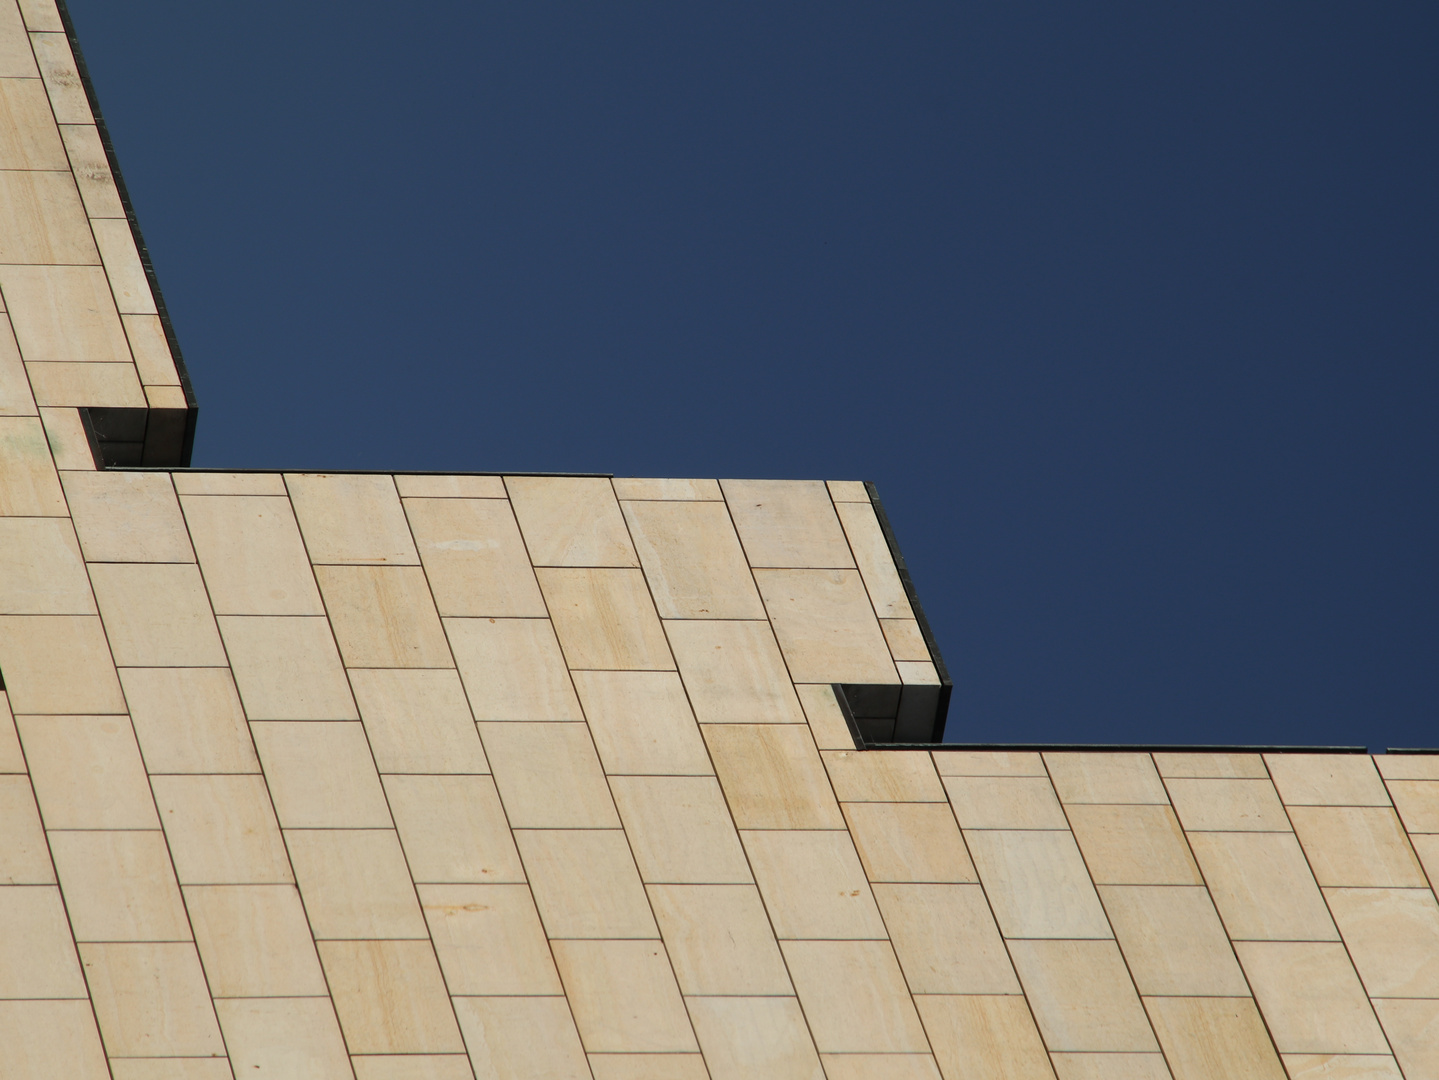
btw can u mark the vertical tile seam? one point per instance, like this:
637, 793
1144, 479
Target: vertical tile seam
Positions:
504, 810
1348, 952
1409, 836
414, 889
868, 592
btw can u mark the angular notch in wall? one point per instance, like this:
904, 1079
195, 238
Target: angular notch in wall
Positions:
154, 438
881, 714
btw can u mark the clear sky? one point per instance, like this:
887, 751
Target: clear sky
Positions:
1129, 309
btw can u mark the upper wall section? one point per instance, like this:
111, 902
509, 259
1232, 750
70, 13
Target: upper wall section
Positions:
84, 325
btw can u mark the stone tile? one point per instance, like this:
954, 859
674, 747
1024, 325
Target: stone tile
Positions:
1413, 1030
734, 672
571, 521
208, 482
629, 488
989, 763
37, 954
585, 883
1227, 805
1133, 845
456, 486
624, 996
1418, 804
1173, 941
529, 1038
1082, 996
605, 619
772, 776
418, 721
187, 1068
719, 939
1393, 939
87, 772
453, 829
17, 399
813, 884
1310, 997
48, 1039
1111, 1067
287, 668
746, 1037
41, 572
86, 383
412, 1066
118, 886
28, 136
854, 997
680, 829
24, 856
42, 219
1357, 846
221, 830
826, 626
984, 1038
642, 724
1342, 1067
268, 1036
350, 518
62, 426
475, 558
189, 720
693, 561
513, 669
86, 157
58, 664
1209, 1038
876, 561
355, 884
152, 352
64, 313
1327, 779
787, 523
906, 641
254, 941
251, 554
1212, 766
549, 776
157, 615
888, 776
1407, 766
1004, 802
1037, 884
1262, 887
489, 939
321, 775
946, 939
880, 1067
383, 617
127, 277
390, 997
909, 842
1105, 778
29, 485
826, 720
151, 999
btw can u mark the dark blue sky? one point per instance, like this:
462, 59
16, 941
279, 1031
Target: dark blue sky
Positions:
1130, 309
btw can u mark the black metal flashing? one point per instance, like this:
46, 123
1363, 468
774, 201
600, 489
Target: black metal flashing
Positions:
371, 472
186, 418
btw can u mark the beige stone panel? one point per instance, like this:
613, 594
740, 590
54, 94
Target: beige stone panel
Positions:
1427, 848
744, 1037
888, 776
1227, 805
64, 313
44, 1040
189, 720
693, 561
390, 997
719, 939
571, 521
1133, 845
251, 554
355, 884
1341, 1067
43, 221
412, 1067
57, 68
1111, 1067
188, 482
984, 1038
1211, 766
917, 674
734, 672
383, 616
813, 884
1208, 1038
906, 641
909, 842
11, 759
16, 399
489, 939
676, 490
1327, 779
151, 999
772, 776
1357, 845
1393, 939
165, 397
190, 1068
549, 776
854, 997
280, 1037
62, 428
475, 558
127, 517
680, 830
157, 615
642, 723
1418, 804
1004, 802
988, 763
787, 523
880, 1067
85, 152
40, 15
1172, 940
1082, 996
86, 383
58, 664
1407, 766
453, 486
87, 772
848, 491
453, 829
28, 483
946, 939
287, 668
1413, 1029
521, 1038
624, 996
1263, 887
605, 618
24, 855
37, 955
1037, 884
351, 518
826, 627
1105, 778
1310, 997
513, 669
876, 561
123, 266
418, 721
151, 351
28, 137
221, 830
118, 886
586, 884
321, 775
826, 720
41, 572
254, 941
648, 1067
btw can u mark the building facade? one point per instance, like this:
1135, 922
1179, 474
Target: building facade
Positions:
479, 777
